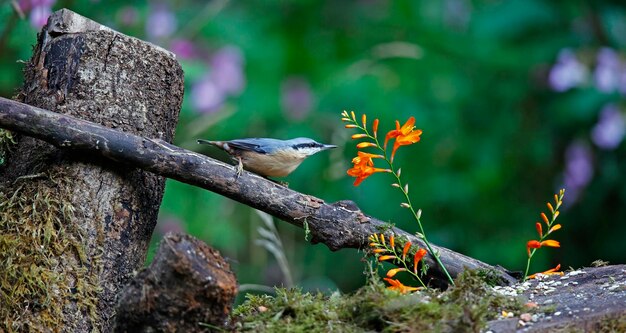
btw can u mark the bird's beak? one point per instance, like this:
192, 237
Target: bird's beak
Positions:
328, 147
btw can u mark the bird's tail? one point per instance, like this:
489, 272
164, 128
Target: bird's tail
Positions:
219, 144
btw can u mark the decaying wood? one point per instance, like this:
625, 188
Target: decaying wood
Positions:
83, 69
188, 284
338, 225
585, 300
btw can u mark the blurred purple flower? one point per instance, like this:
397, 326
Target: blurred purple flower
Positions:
169, 224
227, 70
206, 96
568, 72
226, 78
183, 48
457, 13
607, 74
39, 15
128, 15
610, 128
578, 169
161, 22
622, 82
296, 98
26, 5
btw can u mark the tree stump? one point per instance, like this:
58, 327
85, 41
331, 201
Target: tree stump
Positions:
188, 287
74, 228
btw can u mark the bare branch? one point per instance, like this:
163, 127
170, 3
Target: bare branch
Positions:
338, 225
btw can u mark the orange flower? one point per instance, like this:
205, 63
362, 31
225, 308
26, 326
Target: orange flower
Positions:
398, 286
364, 167
393, 272
554, 228
392, 243
407, 246
383, 258
551, 271
418, 257
375, 127
539, 229
533, 244
551, 243
404, 135
365, 144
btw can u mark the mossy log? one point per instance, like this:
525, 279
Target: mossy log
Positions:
74, 227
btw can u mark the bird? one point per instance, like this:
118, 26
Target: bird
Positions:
269, 157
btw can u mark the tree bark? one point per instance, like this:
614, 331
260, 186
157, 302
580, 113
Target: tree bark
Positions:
338, 225
90, 220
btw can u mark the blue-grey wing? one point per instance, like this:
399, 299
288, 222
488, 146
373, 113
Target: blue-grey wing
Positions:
259, 145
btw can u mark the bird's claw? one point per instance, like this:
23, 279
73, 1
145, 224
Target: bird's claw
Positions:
239, 169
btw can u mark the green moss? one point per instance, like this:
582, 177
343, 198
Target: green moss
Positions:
6, 142
43, 275
464, 308
608, 324
614, 324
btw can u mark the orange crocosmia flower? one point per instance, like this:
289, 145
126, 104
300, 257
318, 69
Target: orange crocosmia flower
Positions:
551, 271
533, 244
417, 258
388, 257
406, 248
393, 272
554, 228
364, 167
551, 243
539, 229
375, 127
398, 286
405, 135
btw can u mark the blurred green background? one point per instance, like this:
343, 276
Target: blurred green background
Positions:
516, 100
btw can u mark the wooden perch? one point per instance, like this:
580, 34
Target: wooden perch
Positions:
338, 225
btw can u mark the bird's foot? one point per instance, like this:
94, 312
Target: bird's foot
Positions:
239, 169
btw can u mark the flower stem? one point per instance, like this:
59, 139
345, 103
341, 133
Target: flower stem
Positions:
528, 264
419, 223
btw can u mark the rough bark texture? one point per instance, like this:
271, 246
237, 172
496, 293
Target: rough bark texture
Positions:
188, 283
86, 70
338, 225
586, 300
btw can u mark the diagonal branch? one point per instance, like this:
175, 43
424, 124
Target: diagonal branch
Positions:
338, 225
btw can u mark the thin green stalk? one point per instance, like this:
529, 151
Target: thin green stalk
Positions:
532, 253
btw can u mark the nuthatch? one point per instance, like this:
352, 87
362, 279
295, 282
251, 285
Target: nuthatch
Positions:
269, 157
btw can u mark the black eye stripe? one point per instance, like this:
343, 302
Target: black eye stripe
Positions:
307, 145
